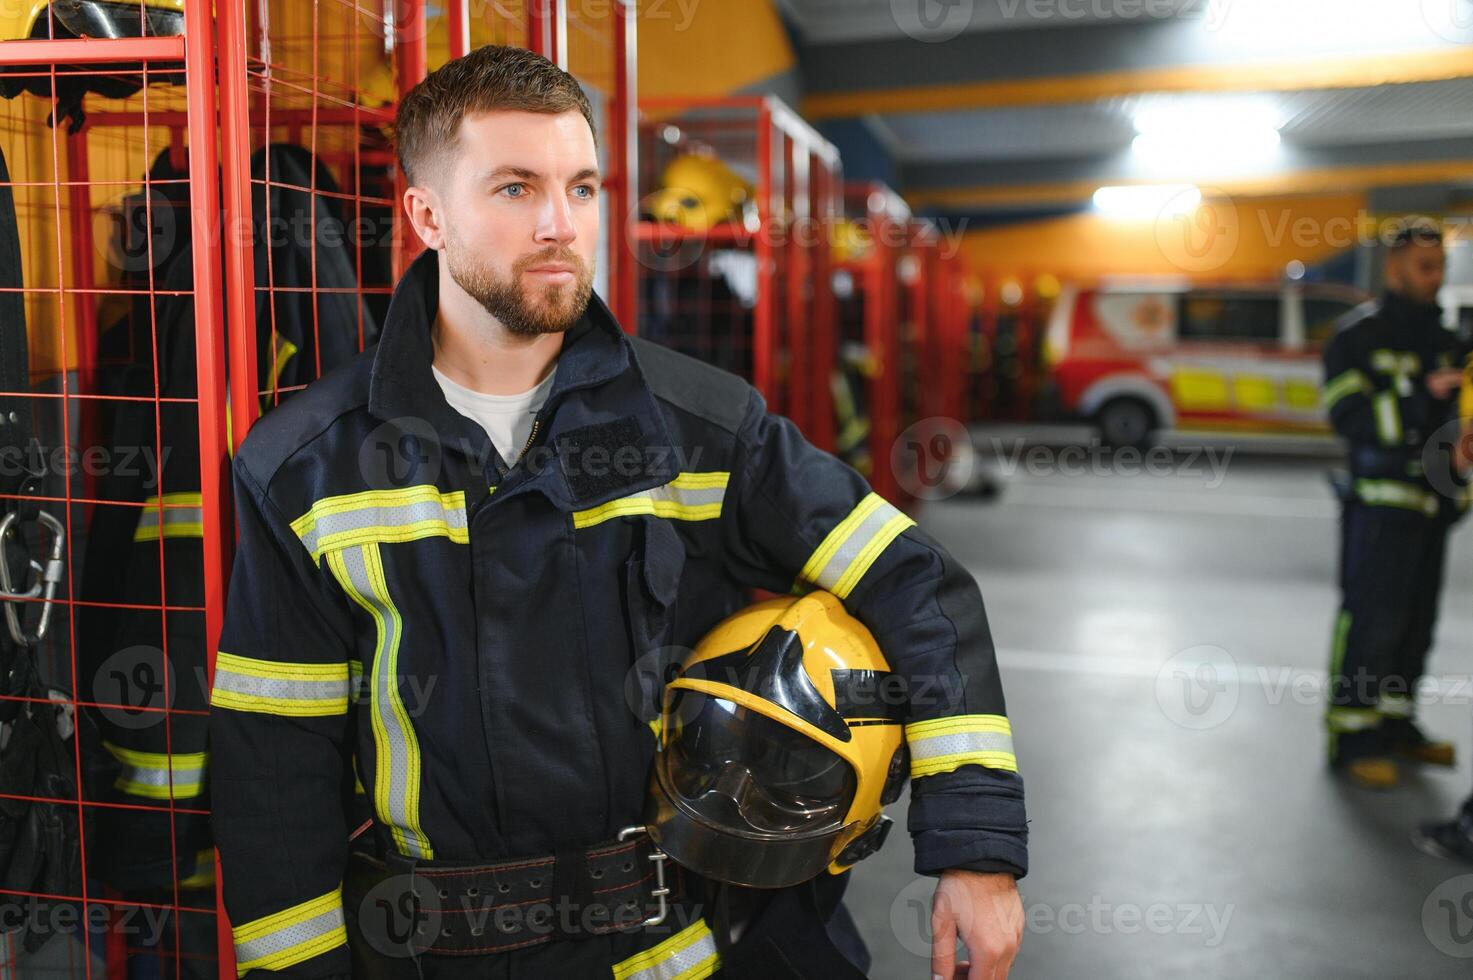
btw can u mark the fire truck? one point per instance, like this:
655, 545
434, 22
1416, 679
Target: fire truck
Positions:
1138, 360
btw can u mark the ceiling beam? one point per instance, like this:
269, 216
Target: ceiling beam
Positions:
1324, 179
1080, 64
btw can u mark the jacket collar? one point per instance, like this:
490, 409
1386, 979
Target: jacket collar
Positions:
595, 352
1403, 310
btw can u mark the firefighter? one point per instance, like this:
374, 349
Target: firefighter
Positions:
1391, 377
1454, 838
455, 551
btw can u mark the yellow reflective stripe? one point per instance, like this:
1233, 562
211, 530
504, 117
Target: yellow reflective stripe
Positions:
285, 351
397, 762
272, 687
688, 955
204, 873
843, 557
292, 935
1388, 417
382, 517
1352, 719
947, 744
181, 515
1395, 493
158, 775
1343, 384
688, 497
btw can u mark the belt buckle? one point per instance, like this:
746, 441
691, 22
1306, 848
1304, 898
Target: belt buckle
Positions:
659, 857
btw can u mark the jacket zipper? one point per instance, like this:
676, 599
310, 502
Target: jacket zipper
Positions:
536, 423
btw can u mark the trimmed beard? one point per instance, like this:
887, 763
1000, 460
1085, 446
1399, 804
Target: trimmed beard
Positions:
561, 306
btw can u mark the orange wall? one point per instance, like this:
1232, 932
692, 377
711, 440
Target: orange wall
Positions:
701, 47
1243, 239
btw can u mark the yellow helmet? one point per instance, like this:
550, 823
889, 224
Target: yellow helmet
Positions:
851, 242
699, 192
782, 742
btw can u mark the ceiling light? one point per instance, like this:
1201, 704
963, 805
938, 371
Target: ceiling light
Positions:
1147, 201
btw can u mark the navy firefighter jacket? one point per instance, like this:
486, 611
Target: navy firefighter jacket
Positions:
461, 631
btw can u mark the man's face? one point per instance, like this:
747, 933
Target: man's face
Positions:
1416, 272
521, 218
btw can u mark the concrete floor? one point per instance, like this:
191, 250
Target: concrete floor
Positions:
1163, 639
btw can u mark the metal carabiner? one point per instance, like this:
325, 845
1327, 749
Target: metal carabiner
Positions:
46, 579
661, 891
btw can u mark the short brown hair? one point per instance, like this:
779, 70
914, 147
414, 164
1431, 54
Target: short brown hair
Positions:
489, 78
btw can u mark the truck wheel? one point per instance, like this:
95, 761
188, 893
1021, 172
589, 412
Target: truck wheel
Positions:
1126, 422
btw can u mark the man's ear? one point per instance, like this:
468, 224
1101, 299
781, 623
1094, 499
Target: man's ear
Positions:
426, 213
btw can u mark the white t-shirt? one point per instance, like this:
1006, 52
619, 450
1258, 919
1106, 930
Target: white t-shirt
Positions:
507, 419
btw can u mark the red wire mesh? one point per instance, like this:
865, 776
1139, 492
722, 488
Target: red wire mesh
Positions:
751, 294
142, 266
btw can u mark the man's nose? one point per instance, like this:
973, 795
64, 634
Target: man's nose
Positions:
555, 222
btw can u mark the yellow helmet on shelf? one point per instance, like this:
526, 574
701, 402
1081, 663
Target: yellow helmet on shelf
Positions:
93, 18
782, 741
698, 191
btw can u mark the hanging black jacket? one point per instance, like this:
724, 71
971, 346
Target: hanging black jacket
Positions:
144, 544
494, 614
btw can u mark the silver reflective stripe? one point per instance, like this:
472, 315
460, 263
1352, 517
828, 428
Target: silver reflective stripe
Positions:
158, 776
397, 767
281, 689
181, 516
688, 497
958, 743
294, 940
1352, 719
383, 521
689, 955
852, 547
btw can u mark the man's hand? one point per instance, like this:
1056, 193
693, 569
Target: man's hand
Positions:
1443, 382
985, 910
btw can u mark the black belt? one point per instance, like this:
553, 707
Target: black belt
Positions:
469, 910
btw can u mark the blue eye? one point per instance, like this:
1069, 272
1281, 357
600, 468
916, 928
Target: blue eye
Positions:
519, 188
585, 189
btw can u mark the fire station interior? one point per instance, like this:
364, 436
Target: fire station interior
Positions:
1058, 277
